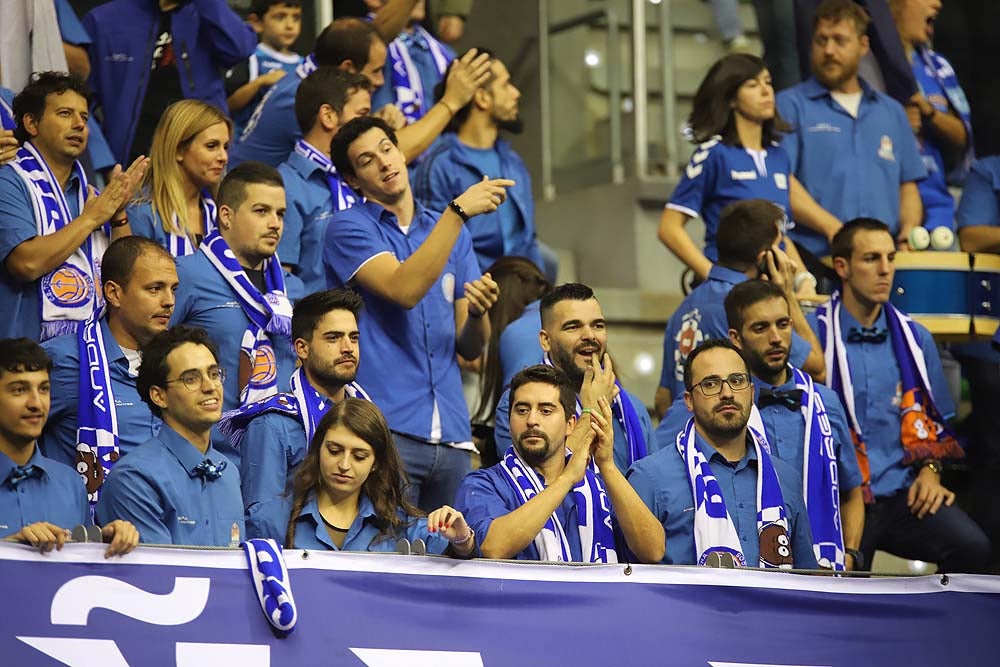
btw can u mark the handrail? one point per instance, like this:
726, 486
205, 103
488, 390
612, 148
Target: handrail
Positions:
668, 86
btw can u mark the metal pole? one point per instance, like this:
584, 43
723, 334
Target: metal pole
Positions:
639, 88
324, 14
545, 101
668, 87
615, 97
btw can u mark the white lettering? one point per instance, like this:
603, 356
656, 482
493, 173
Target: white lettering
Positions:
75, 599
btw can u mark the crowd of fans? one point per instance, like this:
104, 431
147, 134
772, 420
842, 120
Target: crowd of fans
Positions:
181, 356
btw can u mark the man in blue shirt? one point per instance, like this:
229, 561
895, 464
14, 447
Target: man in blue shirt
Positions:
747, 247
176, 487
471, 148
55, 228
573, 336
235, 289
139, 280
528, 506
325, 101
40, 499
424, 297
835, 113
274, 434
909, 512
719, 394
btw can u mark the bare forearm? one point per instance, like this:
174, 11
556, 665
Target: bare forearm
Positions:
473, 334
243, 95
852, 517
807, 212
414, 277
948, 127
77, 60
673, 235
510, 534
643, 533
911, 209
392, 18
979, 238
39, 255
417, 136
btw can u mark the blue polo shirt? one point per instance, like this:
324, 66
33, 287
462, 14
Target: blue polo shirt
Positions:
155, 487
310, 208
501, 427
449, 167
136, 423
661, 480
273, 446
486, 495
272, 129
19, 301
702, 316
877, 394
853, 167
364, 533
719, 174
519, 346
785, 430
263, 61
416, 381
423, 60
58, 496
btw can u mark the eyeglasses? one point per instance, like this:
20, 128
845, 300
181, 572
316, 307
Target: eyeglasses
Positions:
192, 379
712, 386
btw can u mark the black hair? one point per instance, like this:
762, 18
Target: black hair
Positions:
233, 189
23, 355
549, 375
747, 294
311, 309
261, 7
710, 344
119, 259
461, 115
564, 292
349, 134
31, 100
345, 39
746, 229
327, 85
153, 369
842, 244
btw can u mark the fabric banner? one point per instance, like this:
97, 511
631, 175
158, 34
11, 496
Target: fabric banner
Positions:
177, 607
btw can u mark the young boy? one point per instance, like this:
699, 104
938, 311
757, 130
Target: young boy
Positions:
278, 22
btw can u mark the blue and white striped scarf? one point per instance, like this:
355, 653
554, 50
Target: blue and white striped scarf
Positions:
271, 583
411, 97
341, 193
7, 121
593, 513
713, 527
180, 245
820, 475
269, 313
71, 293
97, 418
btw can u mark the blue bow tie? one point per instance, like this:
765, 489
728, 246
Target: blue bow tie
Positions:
20, 473
867, 335
210, 471
791, 398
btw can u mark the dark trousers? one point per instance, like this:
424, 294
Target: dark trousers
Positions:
434, 471
949, 538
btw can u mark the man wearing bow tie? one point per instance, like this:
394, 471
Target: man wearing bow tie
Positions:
888, 374
176, 487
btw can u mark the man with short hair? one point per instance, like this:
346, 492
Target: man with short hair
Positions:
540, 504
836, 113
274, 434
722, 498
886, 369
424, 297
40, 499
573, 337
176, 487
748, 248
235, 288
325, 101
55, 227
97, 415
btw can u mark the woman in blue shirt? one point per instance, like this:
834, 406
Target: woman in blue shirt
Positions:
737, 128
348, 494
187, 160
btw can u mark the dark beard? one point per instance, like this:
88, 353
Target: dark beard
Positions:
536, 457
332, 378
515, 126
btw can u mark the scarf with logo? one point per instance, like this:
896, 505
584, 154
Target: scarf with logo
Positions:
405, 79
341, 193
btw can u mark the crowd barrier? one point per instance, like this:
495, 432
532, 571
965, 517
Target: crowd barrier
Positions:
185, 607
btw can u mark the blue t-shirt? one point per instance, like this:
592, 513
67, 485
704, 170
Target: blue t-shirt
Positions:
853, 167
519, 346
662, 481
156, 488
273, 446
136, 423
272, 130
719, 174
415, 378
57, 495
877, 394
263, 61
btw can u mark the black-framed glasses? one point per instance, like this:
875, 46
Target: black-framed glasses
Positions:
712, 386
192, 379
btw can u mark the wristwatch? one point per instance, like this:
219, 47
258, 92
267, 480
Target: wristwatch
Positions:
459, 211
859, 558
933, 464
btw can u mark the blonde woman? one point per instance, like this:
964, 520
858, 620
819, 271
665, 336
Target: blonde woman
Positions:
187, 161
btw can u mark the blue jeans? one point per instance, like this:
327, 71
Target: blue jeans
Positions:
435, 471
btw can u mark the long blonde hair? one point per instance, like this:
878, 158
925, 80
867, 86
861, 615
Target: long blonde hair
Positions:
179, 125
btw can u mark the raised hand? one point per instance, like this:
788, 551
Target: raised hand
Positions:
467, 74
598, 382
485, 196
8, 146
482, 294
392, 115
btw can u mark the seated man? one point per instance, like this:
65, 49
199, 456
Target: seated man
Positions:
40, 499
574, 337
539, 503
722, 498
176, 487
97, 414
747, 246
886, 369
274, 434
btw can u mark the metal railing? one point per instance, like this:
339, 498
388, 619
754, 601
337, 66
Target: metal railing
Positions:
668, 117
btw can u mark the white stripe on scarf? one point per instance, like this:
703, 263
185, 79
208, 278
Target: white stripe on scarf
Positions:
97, 418
180, 245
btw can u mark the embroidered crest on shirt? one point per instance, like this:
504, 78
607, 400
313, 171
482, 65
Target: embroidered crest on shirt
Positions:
688, 337
781, 181
885, 149
448, 287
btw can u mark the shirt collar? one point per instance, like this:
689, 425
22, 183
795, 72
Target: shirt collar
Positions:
847, 321
186, 453
7, 464
723, 274
303, 165
759, 384
815, 90
714, 456
383, 215
366, 510
111, 347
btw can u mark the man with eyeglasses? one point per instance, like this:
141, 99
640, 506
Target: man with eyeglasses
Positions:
723, 500
176, 488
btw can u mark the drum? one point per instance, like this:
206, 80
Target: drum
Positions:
935, 289
985, 294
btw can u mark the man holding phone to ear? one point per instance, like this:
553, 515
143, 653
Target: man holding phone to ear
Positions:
748, 239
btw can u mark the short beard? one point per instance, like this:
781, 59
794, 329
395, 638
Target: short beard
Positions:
514, 126
534, 458
331, 378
